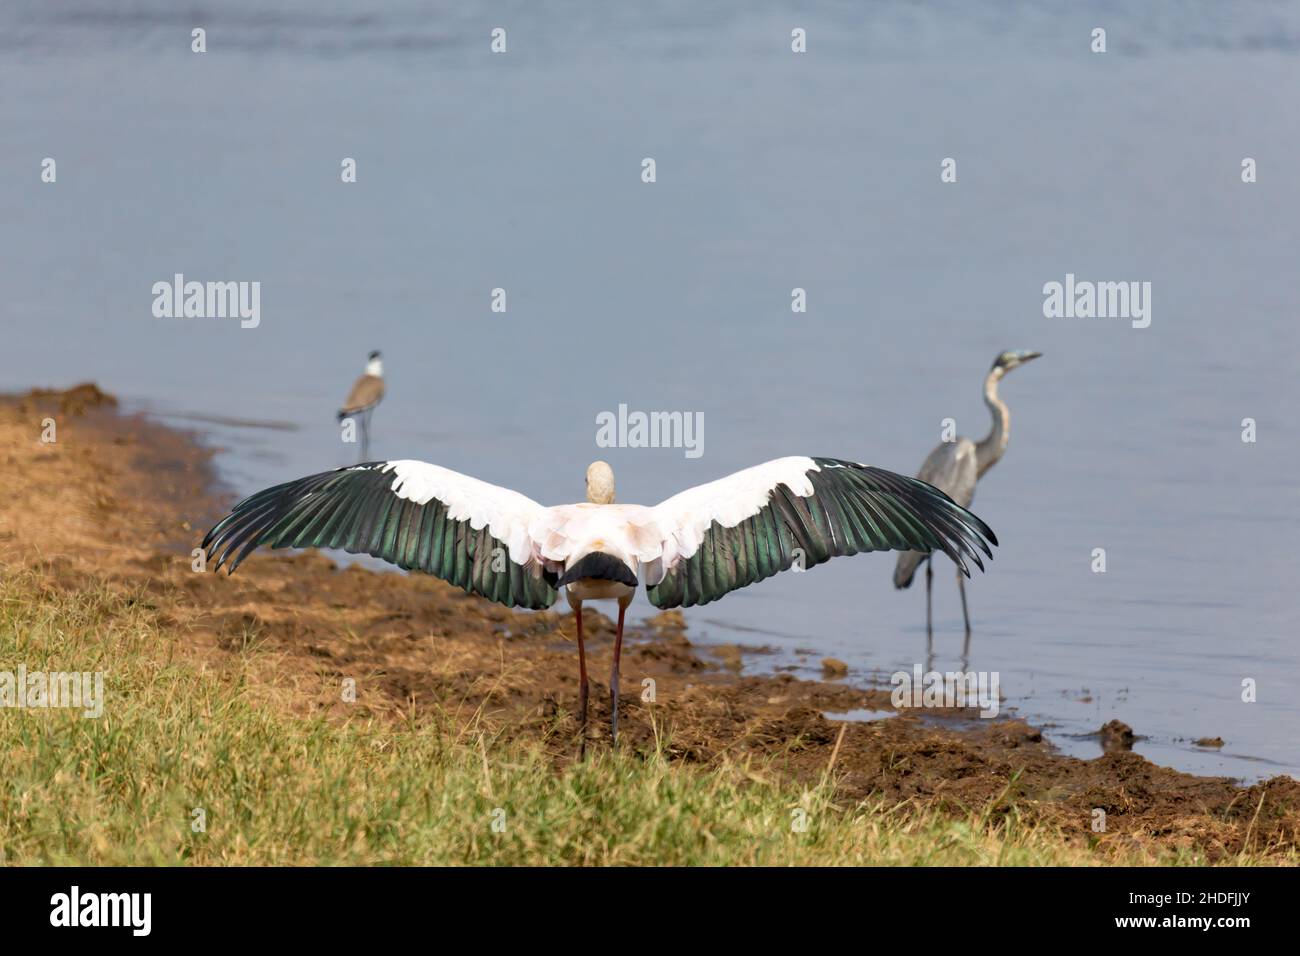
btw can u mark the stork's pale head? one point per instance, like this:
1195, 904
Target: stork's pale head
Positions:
1006, 361
600, 483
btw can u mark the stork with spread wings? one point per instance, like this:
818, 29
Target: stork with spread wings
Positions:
693, 548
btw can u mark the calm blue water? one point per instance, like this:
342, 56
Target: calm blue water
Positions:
774, 171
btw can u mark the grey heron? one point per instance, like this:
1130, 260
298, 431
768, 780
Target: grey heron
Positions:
691, 549
954, 467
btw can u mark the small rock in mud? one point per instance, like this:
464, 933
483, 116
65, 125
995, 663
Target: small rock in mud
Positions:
834, 667
1014, 733
1116, 735
1210, 742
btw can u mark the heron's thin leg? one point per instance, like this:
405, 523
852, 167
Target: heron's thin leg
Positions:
930, 628
613, 675
929, 585
961, 586
582, 682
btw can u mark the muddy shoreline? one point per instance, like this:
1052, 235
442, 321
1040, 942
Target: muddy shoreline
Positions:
120, 501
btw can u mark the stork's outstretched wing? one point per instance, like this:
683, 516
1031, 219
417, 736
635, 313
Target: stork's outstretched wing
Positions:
748, 526
410, 513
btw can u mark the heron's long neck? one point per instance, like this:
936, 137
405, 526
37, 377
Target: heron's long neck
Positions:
991, 448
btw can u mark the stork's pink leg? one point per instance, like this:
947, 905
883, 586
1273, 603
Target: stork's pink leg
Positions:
582, 681
613, 674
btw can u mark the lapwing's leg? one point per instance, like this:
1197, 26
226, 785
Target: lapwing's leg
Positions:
613, 674
582, 681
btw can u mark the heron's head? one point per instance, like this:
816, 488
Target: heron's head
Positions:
1006, 361
600, 483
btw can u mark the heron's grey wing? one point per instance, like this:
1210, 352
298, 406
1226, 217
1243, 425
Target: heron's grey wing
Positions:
950, 468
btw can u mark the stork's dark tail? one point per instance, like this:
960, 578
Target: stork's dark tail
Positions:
601, 567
